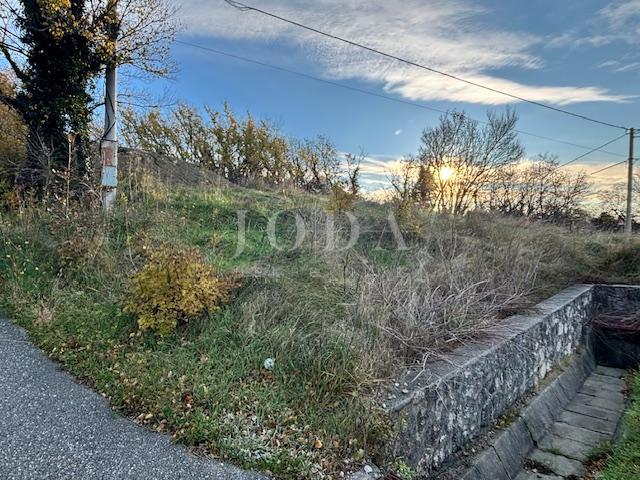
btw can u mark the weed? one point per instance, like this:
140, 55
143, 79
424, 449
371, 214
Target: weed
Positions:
403, 470
624, 463
336, 323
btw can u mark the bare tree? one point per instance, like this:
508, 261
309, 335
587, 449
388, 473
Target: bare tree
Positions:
538, 188
613, 201
403, 182
463, 157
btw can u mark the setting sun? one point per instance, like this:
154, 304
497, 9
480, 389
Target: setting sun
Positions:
446, 173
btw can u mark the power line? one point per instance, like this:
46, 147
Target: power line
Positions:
378, 95
577, 145
609, 167
593, 150
243, 7
311, 77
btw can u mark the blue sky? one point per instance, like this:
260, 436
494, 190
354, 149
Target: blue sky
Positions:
581, 55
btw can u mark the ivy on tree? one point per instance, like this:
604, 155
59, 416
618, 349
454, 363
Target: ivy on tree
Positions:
56, 50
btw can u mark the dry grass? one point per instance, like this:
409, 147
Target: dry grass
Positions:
458, 278
337, 322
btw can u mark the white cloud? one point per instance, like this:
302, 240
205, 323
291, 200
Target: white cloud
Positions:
614, 64
575, 39
618, 67
617, 22
623, 14
448, 35
629, 67
398, 132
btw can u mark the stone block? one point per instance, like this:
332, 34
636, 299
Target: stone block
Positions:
538, 418
534, 476
606, 386
619, 382
565, 447
582, 435
589, 423
486, 465
577, 406
558, 464
597, 391
610, 372
513, 445
613, 404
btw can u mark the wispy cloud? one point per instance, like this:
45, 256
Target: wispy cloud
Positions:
628, 67
619, 67
617, 22
623, 14
610, 64
449, 35
398, 132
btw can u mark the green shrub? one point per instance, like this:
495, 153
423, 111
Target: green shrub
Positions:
173, 287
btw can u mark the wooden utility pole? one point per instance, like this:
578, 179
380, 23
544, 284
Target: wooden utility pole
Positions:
109, 144
628, 228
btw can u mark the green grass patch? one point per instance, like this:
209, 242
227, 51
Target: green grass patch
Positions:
625, 457
335, 323
65, 280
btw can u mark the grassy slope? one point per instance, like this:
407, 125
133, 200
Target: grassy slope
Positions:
205, 384
64, 279
625, 461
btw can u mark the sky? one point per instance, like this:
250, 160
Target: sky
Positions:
583, 56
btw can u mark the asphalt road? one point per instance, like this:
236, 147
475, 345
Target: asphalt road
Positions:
53, 428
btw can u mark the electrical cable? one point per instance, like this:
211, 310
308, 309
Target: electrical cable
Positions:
243, 7
597, 149
374, 94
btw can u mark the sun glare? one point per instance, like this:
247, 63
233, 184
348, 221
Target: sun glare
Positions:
446, 173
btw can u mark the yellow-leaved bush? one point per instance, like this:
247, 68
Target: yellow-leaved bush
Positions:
340, 200
173, 287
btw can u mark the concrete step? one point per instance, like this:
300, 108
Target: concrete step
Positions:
599, 391
525, 475
558, 464
578, 406
588, 421
610, 372
565, 447
582, 435
612, 404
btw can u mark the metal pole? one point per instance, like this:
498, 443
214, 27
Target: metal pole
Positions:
109, 144
628, 228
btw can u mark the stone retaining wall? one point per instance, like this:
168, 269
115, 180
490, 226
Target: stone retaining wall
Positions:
447, 405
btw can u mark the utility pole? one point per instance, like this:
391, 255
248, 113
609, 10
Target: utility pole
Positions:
628, 228
109, 144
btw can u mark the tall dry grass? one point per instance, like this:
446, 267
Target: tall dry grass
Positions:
458, 280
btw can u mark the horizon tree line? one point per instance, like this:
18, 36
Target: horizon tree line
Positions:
56, 51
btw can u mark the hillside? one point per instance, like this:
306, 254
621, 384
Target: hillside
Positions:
283, 376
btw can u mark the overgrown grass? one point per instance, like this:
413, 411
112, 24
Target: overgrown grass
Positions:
337, 323
65, 279
625, 458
